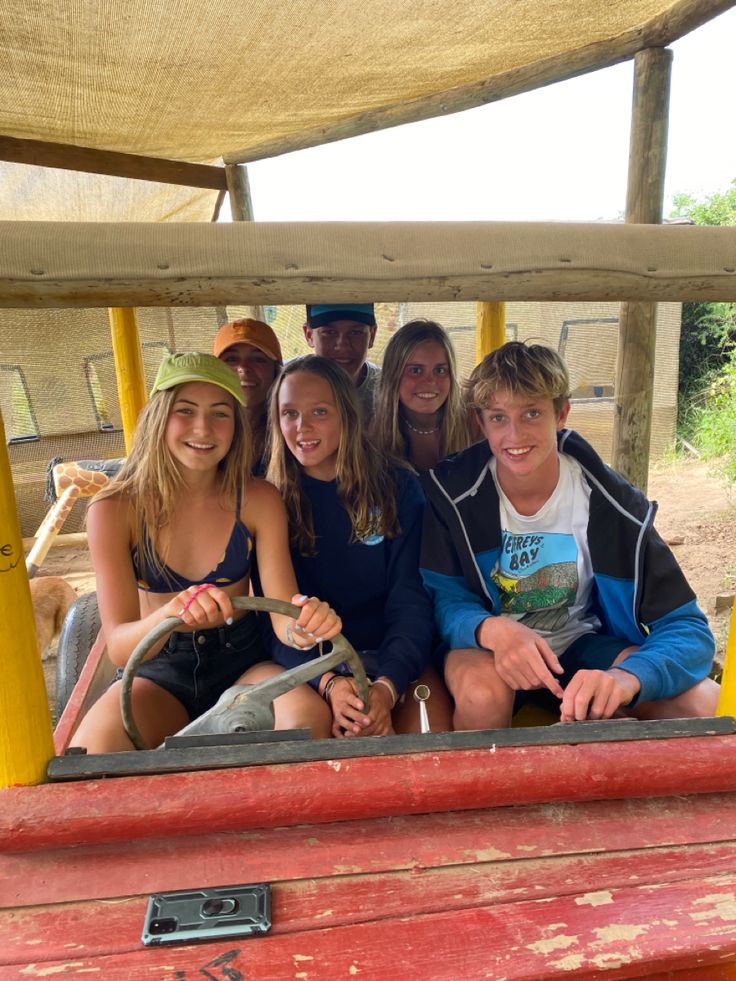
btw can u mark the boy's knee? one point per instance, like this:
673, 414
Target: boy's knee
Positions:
470, 671
482, 699
700, 701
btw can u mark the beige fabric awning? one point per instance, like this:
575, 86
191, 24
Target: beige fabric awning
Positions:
198, 81
239, 80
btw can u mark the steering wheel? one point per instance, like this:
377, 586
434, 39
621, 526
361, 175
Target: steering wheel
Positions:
242, 708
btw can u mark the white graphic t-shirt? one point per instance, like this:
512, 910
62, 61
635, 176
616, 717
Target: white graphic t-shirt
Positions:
544, 573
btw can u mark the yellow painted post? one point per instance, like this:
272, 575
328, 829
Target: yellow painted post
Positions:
26, 743
490, 327
727, 698
126, 347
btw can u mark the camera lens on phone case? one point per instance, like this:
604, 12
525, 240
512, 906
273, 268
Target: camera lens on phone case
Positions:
165, 925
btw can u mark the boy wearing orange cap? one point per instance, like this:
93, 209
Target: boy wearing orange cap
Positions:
252, 350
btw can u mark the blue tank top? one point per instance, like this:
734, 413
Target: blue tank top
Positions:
234, 565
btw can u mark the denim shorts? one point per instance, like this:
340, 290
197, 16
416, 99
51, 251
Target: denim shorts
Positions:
196, 668
590, 652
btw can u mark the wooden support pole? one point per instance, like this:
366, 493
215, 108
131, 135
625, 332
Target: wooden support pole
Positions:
126, 346
490, 327
638, 321
241, 207
238, 186
727, 696
26, 745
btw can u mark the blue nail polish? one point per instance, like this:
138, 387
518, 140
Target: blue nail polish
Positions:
318, 640
302, 599
229, 621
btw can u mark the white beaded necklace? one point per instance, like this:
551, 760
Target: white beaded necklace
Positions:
422, 432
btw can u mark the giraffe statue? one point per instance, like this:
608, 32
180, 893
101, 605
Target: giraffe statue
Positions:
72, 480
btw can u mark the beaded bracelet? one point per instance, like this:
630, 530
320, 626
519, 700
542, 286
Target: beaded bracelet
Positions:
387, 684
329, 685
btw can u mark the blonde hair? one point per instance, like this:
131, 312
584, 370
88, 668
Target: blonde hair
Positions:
150, 479
388, 428
365, 486
521, 369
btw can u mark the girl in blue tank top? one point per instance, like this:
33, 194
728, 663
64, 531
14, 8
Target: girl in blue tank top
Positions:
175, 535
354, 528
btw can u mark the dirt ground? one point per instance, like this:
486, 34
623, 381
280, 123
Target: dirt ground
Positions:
696, 517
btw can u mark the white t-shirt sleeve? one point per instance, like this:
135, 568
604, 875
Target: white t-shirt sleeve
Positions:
544, 573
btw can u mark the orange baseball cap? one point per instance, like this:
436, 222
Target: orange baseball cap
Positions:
248, 331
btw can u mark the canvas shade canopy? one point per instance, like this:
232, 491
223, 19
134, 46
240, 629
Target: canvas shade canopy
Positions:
242, 81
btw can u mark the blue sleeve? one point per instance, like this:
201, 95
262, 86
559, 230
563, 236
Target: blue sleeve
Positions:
458, 611
676, 654
407, 642
676, 646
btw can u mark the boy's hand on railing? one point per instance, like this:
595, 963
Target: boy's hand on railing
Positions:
597, 694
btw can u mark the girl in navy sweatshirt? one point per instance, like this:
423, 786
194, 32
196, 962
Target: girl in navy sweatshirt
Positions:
355, 525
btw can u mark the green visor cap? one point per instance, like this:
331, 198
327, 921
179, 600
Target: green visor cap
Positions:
178, 369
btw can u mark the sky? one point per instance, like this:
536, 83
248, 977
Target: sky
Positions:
560, 152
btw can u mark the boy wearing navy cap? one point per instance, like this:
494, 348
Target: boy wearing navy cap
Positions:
344, 333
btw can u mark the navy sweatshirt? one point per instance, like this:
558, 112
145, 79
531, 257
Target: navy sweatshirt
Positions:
374, 584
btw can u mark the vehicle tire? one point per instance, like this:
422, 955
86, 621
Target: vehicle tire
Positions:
78, 634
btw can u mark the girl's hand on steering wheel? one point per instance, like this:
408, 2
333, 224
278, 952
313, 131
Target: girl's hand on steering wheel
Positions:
316, 622
201, 606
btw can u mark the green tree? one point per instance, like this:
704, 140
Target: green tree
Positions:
708, 329
718, 209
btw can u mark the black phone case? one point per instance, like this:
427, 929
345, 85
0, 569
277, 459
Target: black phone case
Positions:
201, 914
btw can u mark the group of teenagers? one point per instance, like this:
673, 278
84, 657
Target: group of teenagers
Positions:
458, 536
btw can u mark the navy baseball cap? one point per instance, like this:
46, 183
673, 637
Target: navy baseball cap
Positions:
319, 314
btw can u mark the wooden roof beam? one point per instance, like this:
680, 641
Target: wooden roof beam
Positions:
65, 156
99, 264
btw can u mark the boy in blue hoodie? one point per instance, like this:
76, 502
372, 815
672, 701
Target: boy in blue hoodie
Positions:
545, 568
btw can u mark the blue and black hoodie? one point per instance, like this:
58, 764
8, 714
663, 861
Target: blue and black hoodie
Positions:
640, 593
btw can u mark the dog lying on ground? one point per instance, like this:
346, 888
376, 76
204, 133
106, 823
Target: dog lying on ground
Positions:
52, 596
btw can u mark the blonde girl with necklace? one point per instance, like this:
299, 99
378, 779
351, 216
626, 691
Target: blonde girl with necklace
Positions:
420, 416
